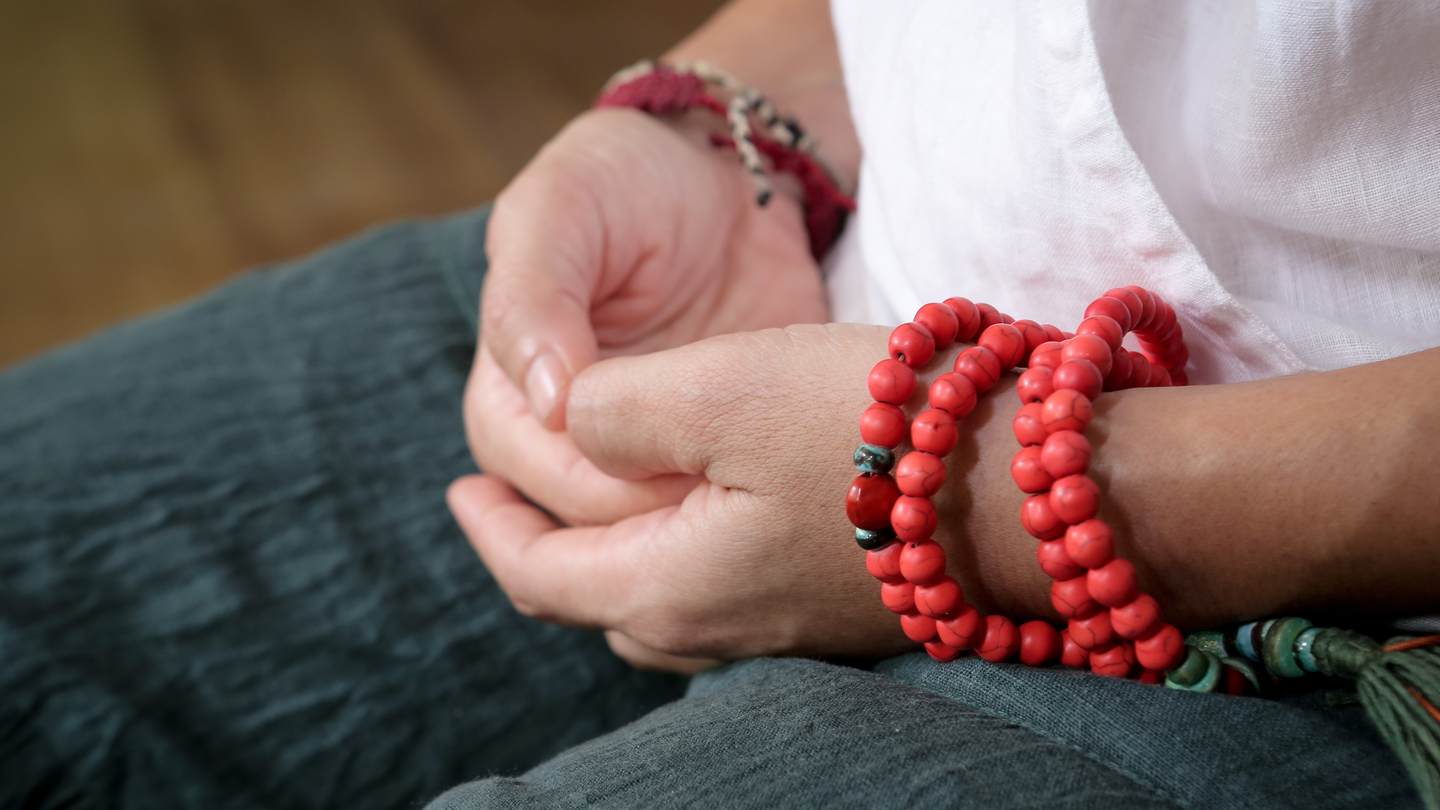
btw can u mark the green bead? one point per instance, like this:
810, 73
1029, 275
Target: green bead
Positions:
1209, 682
1246, 668
1278, 651
872, 458
1305, 649
870, 541
1211, 641
1190, 671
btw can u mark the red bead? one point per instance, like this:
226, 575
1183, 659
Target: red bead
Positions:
1090, 543
1079, 375
1103, 327
967, 316
941, 600
917, 627
922, 563
1170, 358
1147, 307
1119, 375
1114, 583
1029, 427
920, 474
870, 501
1066, 409
1033, 333
1053, 332
1047, 355
1029, 473
1039, 643
883, 424
1179, 377
941, 652
1133, 305
941, 322
954, 394
981, 366
964, 630
1112, 309
892, 381
1035, 384
899, 597
1072, 654
1235, 682
1065, 452
1160, 325
1158, 376
1112, 662
1136, 619
913, 518
912, 344
1055, 562
1073, 499
1164, 649
1072, 599
1153, 677
1139, 371
1002, 639
1092, 632
1039, 519
989, 316
934, 431
884, 563
1007, 342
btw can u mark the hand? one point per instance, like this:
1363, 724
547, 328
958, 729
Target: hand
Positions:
625, 235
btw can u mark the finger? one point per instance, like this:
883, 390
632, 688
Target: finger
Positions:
642, 657
509, 442
585, 577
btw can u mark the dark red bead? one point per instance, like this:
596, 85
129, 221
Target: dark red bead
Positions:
1039, 519
1235, 682
1055, 562
918, 627
1133, 305
1079, 375
1029, 473
1136, 619
1029, 425
1114, 583
1147, 308
934, 431
1090, 543
1158, 376
1007, 342
964, 630
1072, 654
1002, 639
967, 316
1111, 662
1047, 355
912, 344
1139, 371
1160, 325
1066, 409
1092, 632
898, 597
941, 321
870, 501
913, 518
981, 366
940, 600
989, 316
1035, 384
923, 562
1065, 452
1074, 498
1110, 308
1163, 649
892, 381
883, 424
1071, 598
1053, 332
1039, 643
1119, 375
941, 652
884, 563
1179, 377
1151, 677
1033, 333
954, 394
920, 474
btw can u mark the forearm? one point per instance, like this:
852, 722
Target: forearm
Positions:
787, 49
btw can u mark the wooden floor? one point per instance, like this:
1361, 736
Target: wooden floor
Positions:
151, 148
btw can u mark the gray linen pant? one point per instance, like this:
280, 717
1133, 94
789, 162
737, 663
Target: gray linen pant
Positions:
228, 580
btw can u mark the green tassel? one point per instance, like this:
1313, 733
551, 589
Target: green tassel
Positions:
1399, 685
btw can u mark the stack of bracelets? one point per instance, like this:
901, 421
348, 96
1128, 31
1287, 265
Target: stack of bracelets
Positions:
1112, 626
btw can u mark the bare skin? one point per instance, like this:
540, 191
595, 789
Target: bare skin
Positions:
700, 483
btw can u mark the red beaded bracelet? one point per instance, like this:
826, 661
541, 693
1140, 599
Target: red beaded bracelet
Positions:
1066, 376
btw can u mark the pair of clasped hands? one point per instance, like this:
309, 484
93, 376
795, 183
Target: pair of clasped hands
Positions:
664, 425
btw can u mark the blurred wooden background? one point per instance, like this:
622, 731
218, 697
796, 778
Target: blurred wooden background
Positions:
151, 148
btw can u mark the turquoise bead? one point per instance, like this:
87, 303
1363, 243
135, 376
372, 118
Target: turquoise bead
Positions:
872, 458
869, 540
1211, 641
1279, 646
1190, 671
1244, 641
1246, 668
1208, 682
1305, 649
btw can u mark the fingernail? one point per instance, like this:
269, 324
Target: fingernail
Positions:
542, 384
